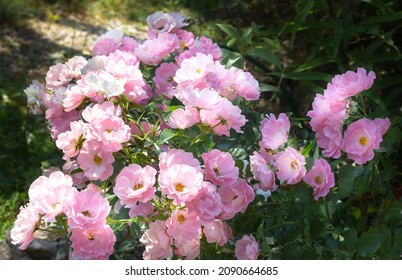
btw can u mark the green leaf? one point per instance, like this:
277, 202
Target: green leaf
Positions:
346, 178
381, 18
229, 30
166, 135
368, 243
266, 55
135, 230
315, 63
350, 238
268, 88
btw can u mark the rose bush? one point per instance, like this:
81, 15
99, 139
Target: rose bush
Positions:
142, 127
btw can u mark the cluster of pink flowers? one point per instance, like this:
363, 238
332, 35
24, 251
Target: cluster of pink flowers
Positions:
107, 114
203, 198
86, 211
331, 110
85, 105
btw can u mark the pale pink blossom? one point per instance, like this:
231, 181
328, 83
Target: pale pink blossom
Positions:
99, 111
184, 118
189, 249
128, 44
160, 22
154, 50
207, 204
23, 230
88, 209
177, 156
202, 45
164, 78
105, 46
111, 132
141, 209
94, 64
194, 69
263, 172
328, 110
51, 195
290, 165
244, 84
61, 123
351, 83
71, 141
382, 125
223, 117
362, 137
135, 184
95, 161
72, 168
203, 99
235, 198
330, 140
246, 248
92, 243
156, 241
186, 38
73, 99
320, 178
183, 225
180, 182
218, 232
35, 94
220, 168
274, 130
61, 74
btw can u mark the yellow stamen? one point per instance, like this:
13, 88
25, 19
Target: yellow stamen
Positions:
294, 165
91, 236
198, 70
216, 170
181, 219
179, 187
363, 141
318, 180
138, 186
97, 160
169, 79
86, 213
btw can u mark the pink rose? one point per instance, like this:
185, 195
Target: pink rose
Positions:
92, 243
51, 195
88, 209
183, 225
218, 232
235, 198
263, 172
290, 165
362, 137
180, 182
247, 248
320, 177
156, 241
220, 168
24, 226
274, 131
182, 119
135, 184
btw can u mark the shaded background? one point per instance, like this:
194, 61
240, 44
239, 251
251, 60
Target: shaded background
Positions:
312, 40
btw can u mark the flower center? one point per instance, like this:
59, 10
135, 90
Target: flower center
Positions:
318, 180
181, 219
198, 70
91, 236
169, 79
182, 45
55, 205
363, 141
138, 186
86, 213
294, 165
79, 142
179, 187
97, 160
216, 170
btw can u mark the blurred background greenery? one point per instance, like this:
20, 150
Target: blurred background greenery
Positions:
293, 47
